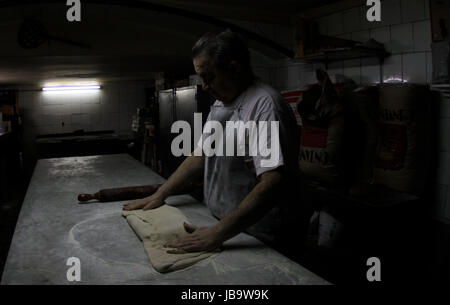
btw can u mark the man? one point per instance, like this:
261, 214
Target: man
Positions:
262, 200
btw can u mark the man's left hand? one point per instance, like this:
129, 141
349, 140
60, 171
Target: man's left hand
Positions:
197, 239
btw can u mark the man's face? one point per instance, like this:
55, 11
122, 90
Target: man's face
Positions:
219, 84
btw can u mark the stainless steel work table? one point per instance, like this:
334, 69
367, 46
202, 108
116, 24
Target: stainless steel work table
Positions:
53, 226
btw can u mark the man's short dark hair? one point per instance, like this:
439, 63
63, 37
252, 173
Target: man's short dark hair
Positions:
223, 47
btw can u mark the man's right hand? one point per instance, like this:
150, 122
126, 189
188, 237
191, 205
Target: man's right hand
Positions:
151, 202
187, 172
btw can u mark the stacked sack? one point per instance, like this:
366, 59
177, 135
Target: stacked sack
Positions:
402, 156
358, 137
361, 138
322, 115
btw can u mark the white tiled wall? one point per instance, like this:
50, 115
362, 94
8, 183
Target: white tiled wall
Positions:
264, 66
405, 30
111, 107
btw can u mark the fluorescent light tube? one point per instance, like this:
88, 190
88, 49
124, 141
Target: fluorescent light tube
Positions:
68, 88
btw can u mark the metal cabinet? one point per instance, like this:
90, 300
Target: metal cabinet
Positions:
178, 104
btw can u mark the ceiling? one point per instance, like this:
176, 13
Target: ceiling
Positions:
126, 39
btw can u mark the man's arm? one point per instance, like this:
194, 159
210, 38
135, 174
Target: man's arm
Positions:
181, 180
185, 175
254, 206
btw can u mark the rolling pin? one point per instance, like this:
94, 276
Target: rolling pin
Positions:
122, 193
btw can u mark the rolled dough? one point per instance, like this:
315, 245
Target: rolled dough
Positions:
157, 227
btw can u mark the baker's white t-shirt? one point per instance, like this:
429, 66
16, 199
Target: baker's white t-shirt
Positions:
229, 179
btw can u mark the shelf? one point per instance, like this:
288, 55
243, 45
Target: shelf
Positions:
344, 54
